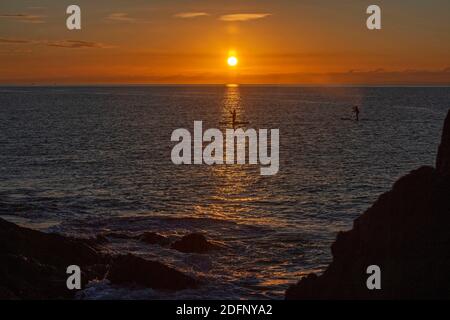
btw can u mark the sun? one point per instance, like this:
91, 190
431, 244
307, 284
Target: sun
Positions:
232, 61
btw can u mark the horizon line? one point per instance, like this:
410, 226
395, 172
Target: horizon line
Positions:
437, 85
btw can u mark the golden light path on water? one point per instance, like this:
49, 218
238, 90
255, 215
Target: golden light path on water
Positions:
234, 195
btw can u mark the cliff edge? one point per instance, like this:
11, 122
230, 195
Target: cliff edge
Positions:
406, 233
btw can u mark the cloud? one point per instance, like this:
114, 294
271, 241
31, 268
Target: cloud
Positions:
189, 15
244, 16
13, 41
15, 51
23, 17
120, 17
74, 44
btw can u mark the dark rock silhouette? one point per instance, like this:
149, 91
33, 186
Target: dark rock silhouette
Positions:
33, 265
129, 269
406, 233
443, 158
193, 243
100, 239
117, 235
147, 237
154, 238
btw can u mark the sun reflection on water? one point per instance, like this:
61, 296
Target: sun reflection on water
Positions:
235, 195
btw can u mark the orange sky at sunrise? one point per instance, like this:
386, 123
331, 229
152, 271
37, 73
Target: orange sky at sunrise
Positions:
280, 42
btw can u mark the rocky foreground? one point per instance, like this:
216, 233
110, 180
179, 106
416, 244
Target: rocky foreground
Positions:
406, 233
33, 264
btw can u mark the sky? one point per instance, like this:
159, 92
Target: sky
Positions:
189, 41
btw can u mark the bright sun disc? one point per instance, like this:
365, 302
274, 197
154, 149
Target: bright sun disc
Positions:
232, 61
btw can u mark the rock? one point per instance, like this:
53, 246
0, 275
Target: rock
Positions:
129, 269
443, 158
96, 242
6, 294
48, 248
34, 263
117, 235
101, 239
27, 278
193, 243
406, 233
147, 237
154, 238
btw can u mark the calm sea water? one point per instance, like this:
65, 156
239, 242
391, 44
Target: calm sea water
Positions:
86, 160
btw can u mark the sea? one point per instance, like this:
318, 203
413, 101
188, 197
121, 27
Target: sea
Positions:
89, 160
